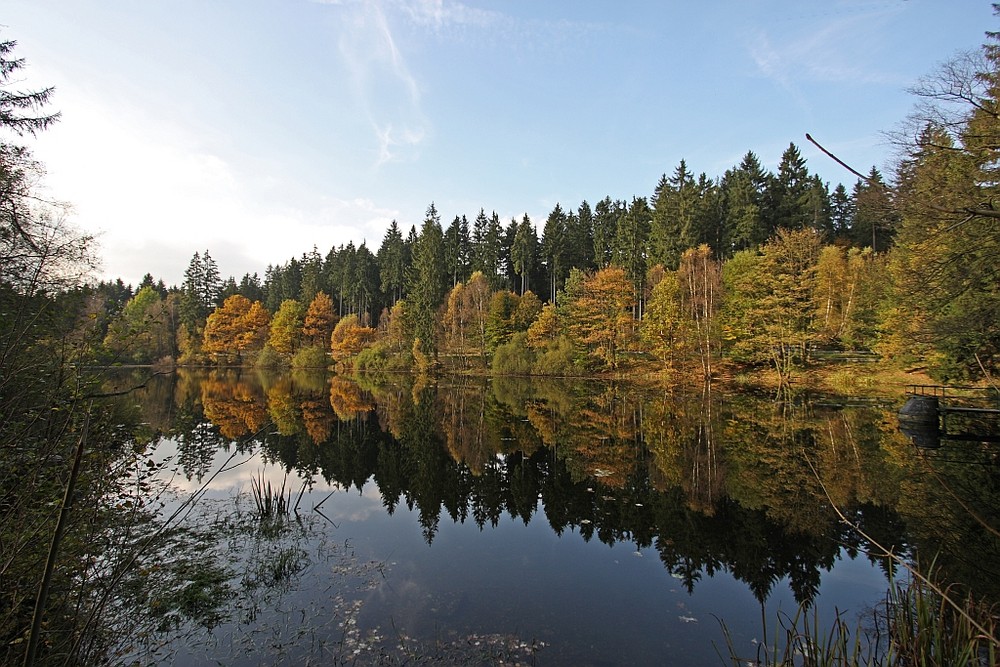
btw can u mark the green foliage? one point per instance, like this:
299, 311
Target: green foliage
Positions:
310, 356
558, 359
500, 320
286, 328
380, 359
269, 358
513, 357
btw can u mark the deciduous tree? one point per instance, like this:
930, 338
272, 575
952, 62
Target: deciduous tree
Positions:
234, 328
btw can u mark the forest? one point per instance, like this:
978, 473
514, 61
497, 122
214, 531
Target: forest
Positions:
747, 272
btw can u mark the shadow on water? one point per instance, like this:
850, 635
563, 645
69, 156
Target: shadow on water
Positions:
710, 487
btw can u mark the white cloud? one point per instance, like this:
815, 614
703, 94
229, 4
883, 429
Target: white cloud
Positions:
155, 195
439, 13
384, 86
825, 48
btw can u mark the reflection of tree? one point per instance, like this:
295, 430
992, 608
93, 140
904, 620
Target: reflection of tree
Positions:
317, 418
283, 408
234, 406
949, 503
347, 399
463, 417
681, 433
713, 483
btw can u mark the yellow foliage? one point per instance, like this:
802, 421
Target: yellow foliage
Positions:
349, 338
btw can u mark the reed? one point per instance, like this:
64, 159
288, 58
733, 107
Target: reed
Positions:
919, 624
270, 502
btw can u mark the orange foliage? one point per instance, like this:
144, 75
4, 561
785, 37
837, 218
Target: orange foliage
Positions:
601, 317
349, 338
348, 400
318, 323
233, 407
236, 327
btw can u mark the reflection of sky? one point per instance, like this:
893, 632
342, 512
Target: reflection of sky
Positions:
589, 602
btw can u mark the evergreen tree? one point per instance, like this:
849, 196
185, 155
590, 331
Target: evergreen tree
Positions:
580, 238
818, 204
524, 252
21, 111
674, 217
875, 220
787, 196
200, 291
313, 279
428, 282
251, 288
606, 217
841, 212
457, 247
553, 250
392, 265
741, 202
631, 248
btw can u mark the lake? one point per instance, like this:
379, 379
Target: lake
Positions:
515, 521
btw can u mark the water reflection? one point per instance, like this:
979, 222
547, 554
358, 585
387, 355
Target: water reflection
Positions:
710, 482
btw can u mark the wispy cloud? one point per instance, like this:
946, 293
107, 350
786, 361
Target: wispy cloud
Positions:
383, 84
440, 13
832, 46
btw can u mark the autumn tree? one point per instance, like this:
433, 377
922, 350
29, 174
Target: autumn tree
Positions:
664, 327
236, 327
144, 331
601, 316
286, 328
945, 264
318, 322
349, 338
700, 277
784, 309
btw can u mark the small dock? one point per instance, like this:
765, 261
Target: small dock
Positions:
923, 417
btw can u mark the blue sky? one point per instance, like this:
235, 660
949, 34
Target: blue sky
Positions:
259, 128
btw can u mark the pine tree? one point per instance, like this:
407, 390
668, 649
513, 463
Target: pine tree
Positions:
524, 251
391, 261
631, 248
674, 217
606, 216
787, 195
428, 281
553, 250
20, 110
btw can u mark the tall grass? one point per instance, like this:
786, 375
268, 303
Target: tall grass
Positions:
918, 625
270, 502
923, 623
802, 640
927, 625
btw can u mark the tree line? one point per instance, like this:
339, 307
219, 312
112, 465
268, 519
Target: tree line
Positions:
752, 267
466, 289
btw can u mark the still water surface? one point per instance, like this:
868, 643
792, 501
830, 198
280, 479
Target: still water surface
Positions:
474, 522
